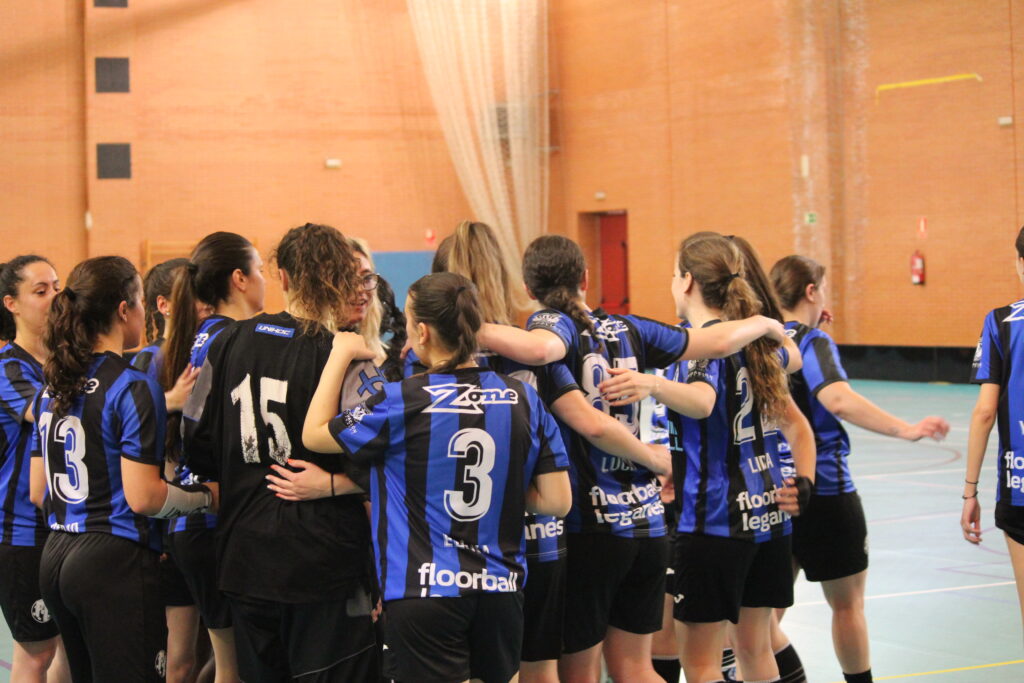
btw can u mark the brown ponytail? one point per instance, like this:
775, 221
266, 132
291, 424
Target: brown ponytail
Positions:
206, 278
448, 303
80, 312
792, 274
716, 264
553, 268
159, 281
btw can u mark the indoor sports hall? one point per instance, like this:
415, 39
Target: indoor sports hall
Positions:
877, 138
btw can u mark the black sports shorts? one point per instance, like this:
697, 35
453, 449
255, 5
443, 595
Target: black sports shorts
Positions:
455, 639
195, 554
715, 576
830, 537
543, 610
20, 598
612, 581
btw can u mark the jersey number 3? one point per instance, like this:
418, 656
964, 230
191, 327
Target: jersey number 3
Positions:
271, 390
472, 501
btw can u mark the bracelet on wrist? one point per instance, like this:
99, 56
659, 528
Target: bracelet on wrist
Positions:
974, 496
967, 481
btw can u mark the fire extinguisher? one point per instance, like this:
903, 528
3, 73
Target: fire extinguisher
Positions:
917, 267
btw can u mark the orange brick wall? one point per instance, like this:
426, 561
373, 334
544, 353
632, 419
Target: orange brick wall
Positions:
687, 114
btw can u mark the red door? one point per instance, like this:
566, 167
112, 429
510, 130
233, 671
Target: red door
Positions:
614, 263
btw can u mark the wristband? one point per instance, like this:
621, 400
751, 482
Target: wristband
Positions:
971, 482
804, 487
184, 499
974, 496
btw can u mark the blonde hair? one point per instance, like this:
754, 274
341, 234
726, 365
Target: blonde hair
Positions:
475, 253
369, 328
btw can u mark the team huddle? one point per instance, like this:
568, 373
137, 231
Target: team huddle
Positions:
346, 491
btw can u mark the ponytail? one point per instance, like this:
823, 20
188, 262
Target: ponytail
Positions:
80, 312
204, 279
11, 275
792, 274
159, 281
448, 303
553, 268
476, 254
716, 264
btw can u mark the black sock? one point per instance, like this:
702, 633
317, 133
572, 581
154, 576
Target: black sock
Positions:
667, 669
728, 665
863, 677
791, 669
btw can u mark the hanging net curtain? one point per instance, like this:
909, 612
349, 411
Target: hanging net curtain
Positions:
486, 63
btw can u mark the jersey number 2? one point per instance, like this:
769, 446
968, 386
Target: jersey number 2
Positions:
472, 502
271, 390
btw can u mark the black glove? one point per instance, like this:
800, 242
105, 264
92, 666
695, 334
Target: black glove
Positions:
804, 488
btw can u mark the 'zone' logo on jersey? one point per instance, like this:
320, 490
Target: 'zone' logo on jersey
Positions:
467, 398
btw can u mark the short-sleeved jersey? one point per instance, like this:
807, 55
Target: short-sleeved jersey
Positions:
821, 367
998, 360
207, 332
150, 359
452, 456
120, 414
21, 379
246, 413
612, 495
545, 535
727, 476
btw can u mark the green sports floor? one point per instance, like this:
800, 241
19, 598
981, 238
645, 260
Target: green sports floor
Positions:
938, 608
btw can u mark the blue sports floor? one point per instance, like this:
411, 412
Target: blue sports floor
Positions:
938, 608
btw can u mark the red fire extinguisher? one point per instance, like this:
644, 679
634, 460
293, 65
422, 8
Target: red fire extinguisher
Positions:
917, 267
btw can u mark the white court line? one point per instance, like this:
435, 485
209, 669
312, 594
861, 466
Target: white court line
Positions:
907, 593
880, 475
913, 518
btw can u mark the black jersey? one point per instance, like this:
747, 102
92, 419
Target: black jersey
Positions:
246, 413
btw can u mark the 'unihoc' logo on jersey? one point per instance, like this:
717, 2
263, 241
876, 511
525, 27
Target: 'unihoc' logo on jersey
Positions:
39, 612
467, 398
276, 330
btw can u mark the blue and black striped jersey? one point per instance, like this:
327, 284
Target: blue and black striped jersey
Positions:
998, 360
207, 332
612, 495
727, 476
21, 379
120, 414
822, 367
245, 414
452, 456
149, 359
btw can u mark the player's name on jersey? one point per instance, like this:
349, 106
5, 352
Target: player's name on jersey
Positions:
611, 463
482, 580
450, 542
760, 463
553, 528
73, 528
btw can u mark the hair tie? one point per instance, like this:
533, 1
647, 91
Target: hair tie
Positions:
70, 293
192, 267
731, 276
460, 289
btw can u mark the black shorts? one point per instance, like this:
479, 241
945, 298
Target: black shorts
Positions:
104, 593
1010, 519
716, 576
830, 537
22, 603
195, 553
455, 639
331, 640
173, 588
543, 610
612, 581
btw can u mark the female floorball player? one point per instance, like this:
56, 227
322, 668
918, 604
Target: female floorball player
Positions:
180, 606
731, 557
614, 605
27, 285
997, 369
296, 573
99, 437
458, 455
830, 538
225, 273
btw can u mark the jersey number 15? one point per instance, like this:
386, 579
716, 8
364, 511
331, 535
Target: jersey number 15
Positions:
271, 391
